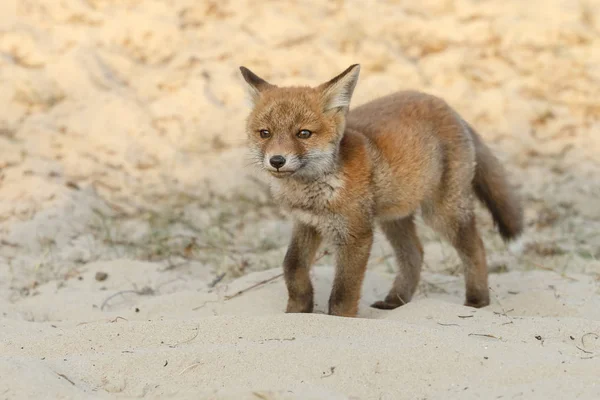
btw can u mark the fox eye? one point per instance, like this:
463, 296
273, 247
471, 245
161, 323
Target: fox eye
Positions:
265, 134
304, 134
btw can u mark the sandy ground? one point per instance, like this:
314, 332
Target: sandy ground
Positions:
129, 221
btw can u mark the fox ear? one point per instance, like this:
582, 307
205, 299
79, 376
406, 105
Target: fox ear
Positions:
255, 84
337, 92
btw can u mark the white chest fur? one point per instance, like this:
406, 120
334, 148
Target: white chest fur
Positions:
312, 203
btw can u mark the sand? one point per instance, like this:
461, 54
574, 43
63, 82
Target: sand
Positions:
122, 153
537, 340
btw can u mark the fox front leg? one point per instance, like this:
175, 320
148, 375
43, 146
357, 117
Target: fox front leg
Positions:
296, 268
352, 258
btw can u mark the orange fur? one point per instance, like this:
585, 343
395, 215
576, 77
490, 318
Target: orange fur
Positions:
341, 173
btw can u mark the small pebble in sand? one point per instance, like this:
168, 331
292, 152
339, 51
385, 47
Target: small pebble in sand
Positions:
101, 276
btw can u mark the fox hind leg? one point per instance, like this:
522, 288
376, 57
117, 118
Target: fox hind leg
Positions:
402, 235
457, 225
471, 250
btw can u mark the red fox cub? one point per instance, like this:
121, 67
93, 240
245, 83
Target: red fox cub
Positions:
341, 172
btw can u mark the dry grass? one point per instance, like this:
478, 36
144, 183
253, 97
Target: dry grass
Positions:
184, 228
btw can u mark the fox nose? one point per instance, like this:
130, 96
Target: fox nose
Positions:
277, 161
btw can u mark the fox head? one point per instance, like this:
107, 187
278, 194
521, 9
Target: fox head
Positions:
295, 132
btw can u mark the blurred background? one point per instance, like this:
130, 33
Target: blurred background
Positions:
122, 123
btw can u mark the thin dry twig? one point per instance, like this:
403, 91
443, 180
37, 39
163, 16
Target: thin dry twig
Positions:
189, 367
215, 281
588, 334
204, 304
145, 291
188, 340
280, 340
401, 299
583, 343
556, 272
325, 253
268, 280
504, 313
439, 323
584, 350
108, 320
66, 378
253, 286
484, 335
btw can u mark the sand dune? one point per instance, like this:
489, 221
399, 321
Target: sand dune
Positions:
538, 339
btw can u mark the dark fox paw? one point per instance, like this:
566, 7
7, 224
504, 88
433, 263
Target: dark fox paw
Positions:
384, 305
477, 302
